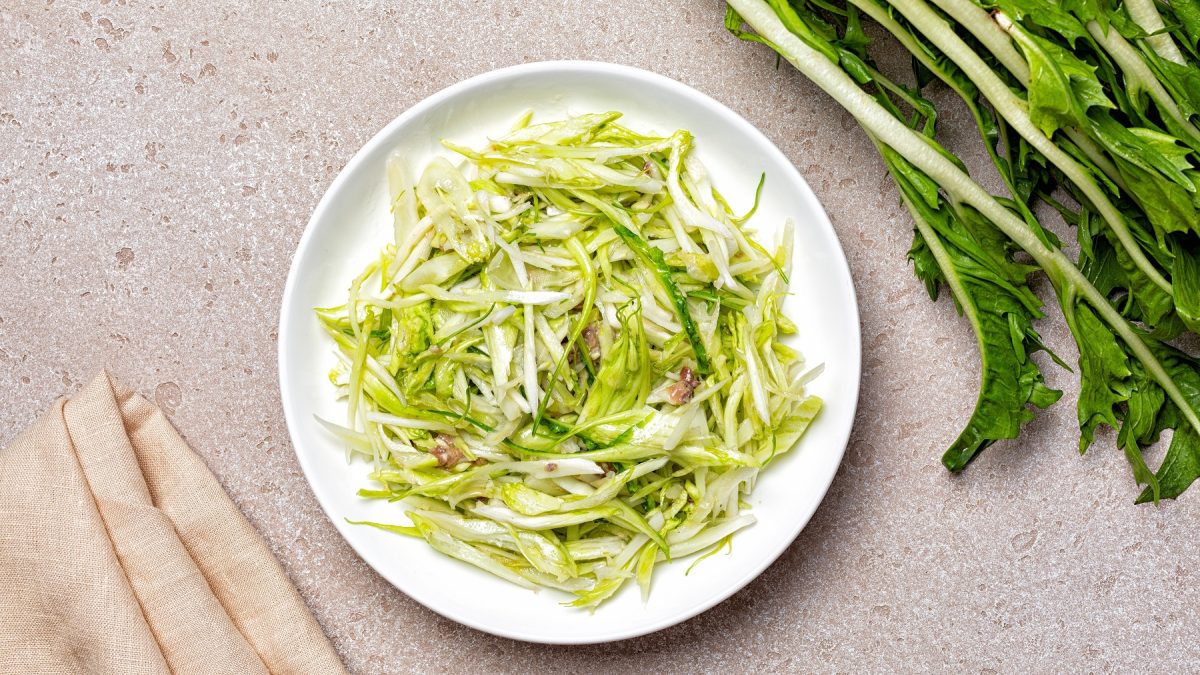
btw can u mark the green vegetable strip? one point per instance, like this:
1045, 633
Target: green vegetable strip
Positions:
589, 298
654, 259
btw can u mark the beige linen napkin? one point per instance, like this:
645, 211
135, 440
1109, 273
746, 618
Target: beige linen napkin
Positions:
120, 553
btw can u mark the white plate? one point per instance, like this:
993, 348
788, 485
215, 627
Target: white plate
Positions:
352, 223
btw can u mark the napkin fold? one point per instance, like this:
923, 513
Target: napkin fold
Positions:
120, 553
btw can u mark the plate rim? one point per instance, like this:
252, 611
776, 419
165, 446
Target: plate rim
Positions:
822, 220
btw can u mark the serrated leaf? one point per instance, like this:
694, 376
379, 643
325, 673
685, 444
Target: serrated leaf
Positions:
1104, 374
1110, 268
1185, 278
1143, 148
1181, 465
1062, 88
1052, 15
925, 266
1179, 469
1188, 14
1182, 81
992, 292
1151, 165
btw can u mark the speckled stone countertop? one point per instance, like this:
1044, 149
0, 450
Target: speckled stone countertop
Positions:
159, 160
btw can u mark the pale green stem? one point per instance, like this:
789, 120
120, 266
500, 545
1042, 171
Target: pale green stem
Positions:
881, 16
934, 242
1145, 15
1138, 74
979, 23
1097, 156
1016, 111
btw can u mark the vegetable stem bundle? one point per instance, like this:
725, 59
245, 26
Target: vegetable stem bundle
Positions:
1095, 101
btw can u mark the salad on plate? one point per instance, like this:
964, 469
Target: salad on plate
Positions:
567, 367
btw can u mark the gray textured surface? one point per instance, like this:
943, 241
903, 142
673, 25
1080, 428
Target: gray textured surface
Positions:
158, 162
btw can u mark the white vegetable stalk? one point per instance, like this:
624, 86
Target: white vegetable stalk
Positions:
1145, 15
977, 20
980, 24
530, 372
407, 422
1015, 110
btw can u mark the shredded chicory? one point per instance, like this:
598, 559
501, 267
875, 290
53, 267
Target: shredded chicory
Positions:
567, 366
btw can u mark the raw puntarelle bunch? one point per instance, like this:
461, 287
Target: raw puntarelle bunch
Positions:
569, 363
1093, 99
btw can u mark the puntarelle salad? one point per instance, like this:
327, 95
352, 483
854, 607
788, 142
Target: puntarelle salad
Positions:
567, 364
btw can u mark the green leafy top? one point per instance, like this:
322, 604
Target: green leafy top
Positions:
1130, 379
